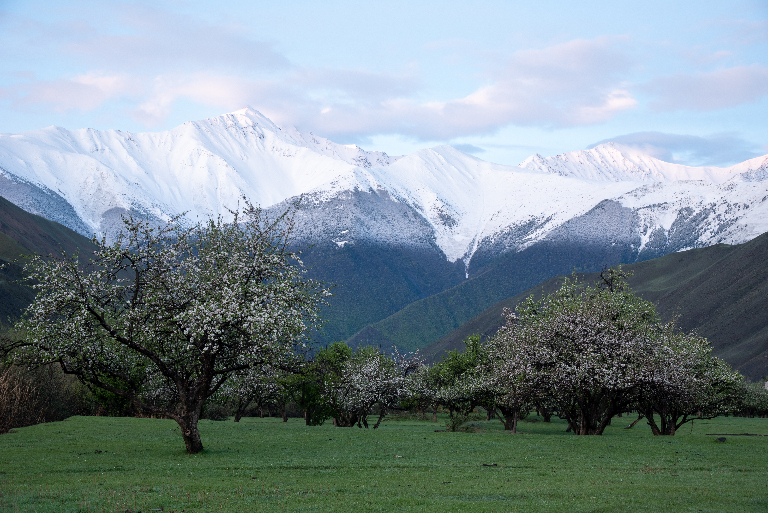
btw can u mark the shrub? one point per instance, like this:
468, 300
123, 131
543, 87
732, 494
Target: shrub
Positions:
45, 394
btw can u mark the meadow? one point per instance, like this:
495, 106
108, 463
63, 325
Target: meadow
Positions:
129, 464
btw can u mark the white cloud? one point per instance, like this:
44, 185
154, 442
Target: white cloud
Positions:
156, 58
714, 150
157, 39
357, 76
714, 90
571, 84
575, 83
82, 92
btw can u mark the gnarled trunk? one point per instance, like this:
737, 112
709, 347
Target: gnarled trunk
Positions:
545, 413
510, 417
345, 420
240, 410
592, 413
189, 432
382, 414
670, 420
640, 417
191, 407
192, 440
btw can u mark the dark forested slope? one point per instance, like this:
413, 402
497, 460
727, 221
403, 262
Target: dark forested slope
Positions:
22, 233
720, 292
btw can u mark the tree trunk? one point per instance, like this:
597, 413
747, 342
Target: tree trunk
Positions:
190, 409
648, 414
545, 413
638, 419
592, 416
510, 417
192, 439
240, 410
284, 412
669, 423
382, 414
189, 432
345, 420
654, 428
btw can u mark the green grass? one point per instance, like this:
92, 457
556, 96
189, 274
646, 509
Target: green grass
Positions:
119, 464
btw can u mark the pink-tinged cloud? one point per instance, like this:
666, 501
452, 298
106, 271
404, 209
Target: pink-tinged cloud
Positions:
227, 93
579, 82
719, 89
723, 149
158, 39
83, 92
575, 83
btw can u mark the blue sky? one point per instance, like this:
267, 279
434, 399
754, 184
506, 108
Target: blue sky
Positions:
686, 81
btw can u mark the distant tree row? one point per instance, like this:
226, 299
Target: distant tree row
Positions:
583, 353
166, 319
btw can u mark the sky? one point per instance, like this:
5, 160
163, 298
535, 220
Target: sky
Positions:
684, 81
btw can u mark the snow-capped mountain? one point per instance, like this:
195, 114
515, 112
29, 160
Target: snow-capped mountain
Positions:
438, 199
615, 162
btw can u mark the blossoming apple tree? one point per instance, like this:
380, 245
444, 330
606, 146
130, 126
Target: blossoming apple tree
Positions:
683, 381
593, 352
165, 315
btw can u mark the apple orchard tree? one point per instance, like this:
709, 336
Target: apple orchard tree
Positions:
594, 352
164, 316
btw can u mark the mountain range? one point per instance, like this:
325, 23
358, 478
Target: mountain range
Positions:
437, 231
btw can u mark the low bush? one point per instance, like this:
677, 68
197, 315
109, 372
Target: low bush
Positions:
33, 396
215, 411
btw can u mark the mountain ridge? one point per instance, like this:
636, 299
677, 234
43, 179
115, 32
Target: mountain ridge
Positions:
86, 178
429, 220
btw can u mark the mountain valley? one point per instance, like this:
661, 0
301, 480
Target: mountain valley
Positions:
416, 245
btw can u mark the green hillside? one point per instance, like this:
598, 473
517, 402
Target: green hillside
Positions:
22, 233
372, 282
428, 319
719, 291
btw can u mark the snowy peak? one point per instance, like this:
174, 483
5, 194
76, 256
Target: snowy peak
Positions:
606, 162
249, 118
615, 162
753, 170
201, 167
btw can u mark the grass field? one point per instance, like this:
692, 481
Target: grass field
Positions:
120, 464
